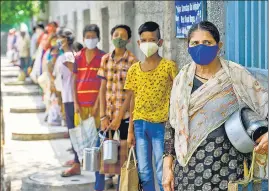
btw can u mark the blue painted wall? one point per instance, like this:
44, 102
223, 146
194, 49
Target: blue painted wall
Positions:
246, 33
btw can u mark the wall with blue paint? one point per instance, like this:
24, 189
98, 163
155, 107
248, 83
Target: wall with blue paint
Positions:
246, 33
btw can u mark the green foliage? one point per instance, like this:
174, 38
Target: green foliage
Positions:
14, 12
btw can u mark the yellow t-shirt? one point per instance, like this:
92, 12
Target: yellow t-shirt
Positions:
152, 90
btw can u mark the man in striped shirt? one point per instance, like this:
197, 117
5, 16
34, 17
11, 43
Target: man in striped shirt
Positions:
87, 84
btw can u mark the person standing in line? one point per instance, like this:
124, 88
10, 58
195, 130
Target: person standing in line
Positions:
198, 154
86, 84
24, 51
149, 83
114, 107
65, 65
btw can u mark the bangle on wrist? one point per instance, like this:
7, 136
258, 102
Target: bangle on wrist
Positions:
168, 154
103, 118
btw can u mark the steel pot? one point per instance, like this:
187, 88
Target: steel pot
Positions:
91, 159
243, 128
110, 148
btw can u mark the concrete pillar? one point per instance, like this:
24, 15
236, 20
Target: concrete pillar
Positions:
128, 12
80, 26
169, 30
216, 15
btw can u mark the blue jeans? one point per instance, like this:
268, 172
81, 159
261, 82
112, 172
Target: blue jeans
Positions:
149, 139
69, 116
24, 63
99, 178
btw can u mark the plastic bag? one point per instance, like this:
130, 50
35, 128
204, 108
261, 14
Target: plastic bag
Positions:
54, 115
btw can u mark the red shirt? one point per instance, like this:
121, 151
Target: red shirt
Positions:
88, 84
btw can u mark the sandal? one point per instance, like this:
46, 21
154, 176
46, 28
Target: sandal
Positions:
66, 135
75, 170
69, 163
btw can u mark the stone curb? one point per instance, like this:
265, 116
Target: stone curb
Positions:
75, 183
18, 83
9, 76
27, 110
28, 184
37, 136
21, 93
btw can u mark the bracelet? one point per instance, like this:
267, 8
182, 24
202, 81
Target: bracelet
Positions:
168, 154
103, 118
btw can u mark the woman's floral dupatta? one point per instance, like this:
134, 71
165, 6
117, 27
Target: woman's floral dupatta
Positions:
194, 116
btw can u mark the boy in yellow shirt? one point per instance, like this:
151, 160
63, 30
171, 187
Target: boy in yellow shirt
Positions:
149, 83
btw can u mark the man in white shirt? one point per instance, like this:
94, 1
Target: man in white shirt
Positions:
24, 50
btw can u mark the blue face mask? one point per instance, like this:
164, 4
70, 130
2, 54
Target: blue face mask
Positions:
202, 54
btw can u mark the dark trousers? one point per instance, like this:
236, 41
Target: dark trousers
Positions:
24, 63
69, 115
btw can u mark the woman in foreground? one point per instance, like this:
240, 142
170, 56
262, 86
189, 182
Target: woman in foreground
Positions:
205, 93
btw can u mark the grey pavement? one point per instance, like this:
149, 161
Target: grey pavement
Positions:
41, 160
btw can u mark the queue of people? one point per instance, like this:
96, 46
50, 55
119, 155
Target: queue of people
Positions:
174, 116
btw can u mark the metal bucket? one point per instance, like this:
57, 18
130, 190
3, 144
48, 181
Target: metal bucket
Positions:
110, 149
91, 159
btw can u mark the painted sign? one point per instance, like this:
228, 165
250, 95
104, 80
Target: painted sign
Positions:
187, 14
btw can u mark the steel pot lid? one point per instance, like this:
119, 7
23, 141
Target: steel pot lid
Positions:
236, 129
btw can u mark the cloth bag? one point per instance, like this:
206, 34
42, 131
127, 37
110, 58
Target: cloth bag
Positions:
22, 76
84, 136
129, 180
249, 183
122, 157
43, 80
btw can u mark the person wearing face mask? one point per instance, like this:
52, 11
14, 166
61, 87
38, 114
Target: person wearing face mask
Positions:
149, 84
114, 113
63, 71
86, 82
204, 95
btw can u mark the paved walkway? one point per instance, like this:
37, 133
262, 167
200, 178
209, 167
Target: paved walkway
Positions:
25, 158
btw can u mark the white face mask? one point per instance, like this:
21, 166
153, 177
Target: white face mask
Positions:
149, 48
91, 43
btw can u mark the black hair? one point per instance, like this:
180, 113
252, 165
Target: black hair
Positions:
127, 28
77, 46
55, 24
68, 34
34, 28
206, 26
150, 26
93, 28
53, 48
40, 25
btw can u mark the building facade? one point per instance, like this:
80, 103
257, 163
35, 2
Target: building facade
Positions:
242, 25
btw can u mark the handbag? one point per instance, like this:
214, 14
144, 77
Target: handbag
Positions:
249, 181
129, 180
122, 157
83, 136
